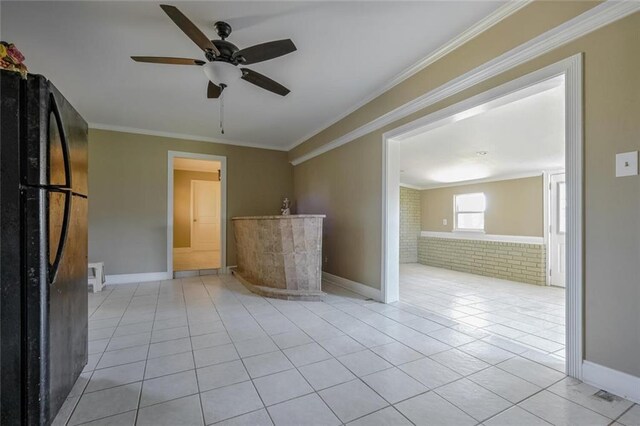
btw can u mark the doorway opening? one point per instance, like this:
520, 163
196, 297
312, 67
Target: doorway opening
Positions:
196, 214
499, 228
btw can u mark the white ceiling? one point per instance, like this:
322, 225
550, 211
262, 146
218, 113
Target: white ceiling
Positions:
346, 50
522, 134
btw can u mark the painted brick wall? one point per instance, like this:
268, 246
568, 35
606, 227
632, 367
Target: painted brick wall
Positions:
409, 224
512, 261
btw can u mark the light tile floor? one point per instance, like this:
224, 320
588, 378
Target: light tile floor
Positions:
530, 315
204, 350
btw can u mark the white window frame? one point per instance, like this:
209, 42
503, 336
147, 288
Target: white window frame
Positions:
456, 212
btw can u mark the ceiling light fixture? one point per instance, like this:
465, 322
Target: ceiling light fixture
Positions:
482, 153
221, 74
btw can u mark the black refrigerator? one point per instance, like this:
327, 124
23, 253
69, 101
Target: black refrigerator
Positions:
43, 249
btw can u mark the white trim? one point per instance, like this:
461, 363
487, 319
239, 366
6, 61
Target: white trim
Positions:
135, 130
228, 269
546, 221
614, 381
503, 12
571, 68
510, 176
593, 19
136, 278
390, 238
479, 236
574, 173
223, 213
353, 286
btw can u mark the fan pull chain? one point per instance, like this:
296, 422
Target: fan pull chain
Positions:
222, 111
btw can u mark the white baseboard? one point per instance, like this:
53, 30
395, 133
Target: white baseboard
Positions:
614, 381
228, 269
361, 289
136, 278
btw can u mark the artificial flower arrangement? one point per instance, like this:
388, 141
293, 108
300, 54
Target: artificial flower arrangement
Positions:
11, 59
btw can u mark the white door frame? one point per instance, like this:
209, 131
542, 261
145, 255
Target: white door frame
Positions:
223, 205
571, 69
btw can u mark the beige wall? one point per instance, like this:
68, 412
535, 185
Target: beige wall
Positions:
612, 207
128, 194
182, 204
514, 206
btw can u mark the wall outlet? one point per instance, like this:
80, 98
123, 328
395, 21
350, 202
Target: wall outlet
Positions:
627, 164
444, 221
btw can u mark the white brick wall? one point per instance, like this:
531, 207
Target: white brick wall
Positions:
512, 261
409, 224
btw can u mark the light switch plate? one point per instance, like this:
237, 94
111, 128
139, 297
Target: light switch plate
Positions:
444, 221
627, 164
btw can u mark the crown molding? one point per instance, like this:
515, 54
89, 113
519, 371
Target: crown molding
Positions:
588, 22
408, 185
137, 131
479, 27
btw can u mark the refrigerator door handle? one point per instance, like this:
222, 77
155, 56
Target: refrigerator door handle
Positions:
64, 142
53, 268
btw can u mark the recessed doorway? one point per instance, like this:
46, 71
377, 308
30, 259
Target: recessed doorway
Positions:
196, 211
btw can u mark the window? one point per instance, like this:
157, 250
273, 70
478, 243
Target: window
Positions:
469, 211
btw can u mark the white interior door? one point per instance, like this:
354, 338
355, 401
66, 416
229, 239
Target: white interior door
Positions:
205, 215
557, 229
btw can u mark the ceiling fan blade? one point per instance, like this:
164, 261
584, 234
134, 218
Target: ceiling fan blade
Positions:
266, 51
190, 29
214, 91
264, 82
167, 60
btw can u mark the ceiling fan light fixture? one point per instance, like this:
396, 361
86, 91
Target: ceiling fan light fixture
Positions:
219, 72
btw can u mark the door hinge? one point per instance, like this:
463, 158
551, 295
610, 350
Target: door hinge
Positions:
550, 272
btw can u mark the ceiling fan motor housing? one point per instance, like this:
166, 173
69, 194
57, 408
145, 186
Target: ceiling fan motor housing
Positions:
227, 52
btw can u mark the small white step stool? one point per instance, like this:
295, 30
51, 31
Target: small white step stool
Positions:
96, 277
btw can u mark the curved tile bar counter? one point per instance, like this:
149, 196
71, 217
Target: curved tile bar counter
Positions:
280, 256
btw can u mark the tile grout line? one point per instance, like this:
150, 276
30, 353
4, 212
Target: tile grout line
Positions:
101, 354
351, 309
294, 367
144, 370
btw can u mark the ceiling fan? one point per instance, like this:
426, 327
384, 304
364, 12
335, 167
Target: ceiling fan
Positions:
224, 57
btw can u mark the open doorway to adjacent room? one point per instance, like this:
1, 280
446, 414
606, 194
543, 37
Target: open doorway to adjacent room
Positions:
483, 221
197, 215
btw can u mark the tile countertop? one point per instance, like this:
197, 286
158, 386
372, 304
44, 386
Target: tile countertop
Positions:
291, 216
